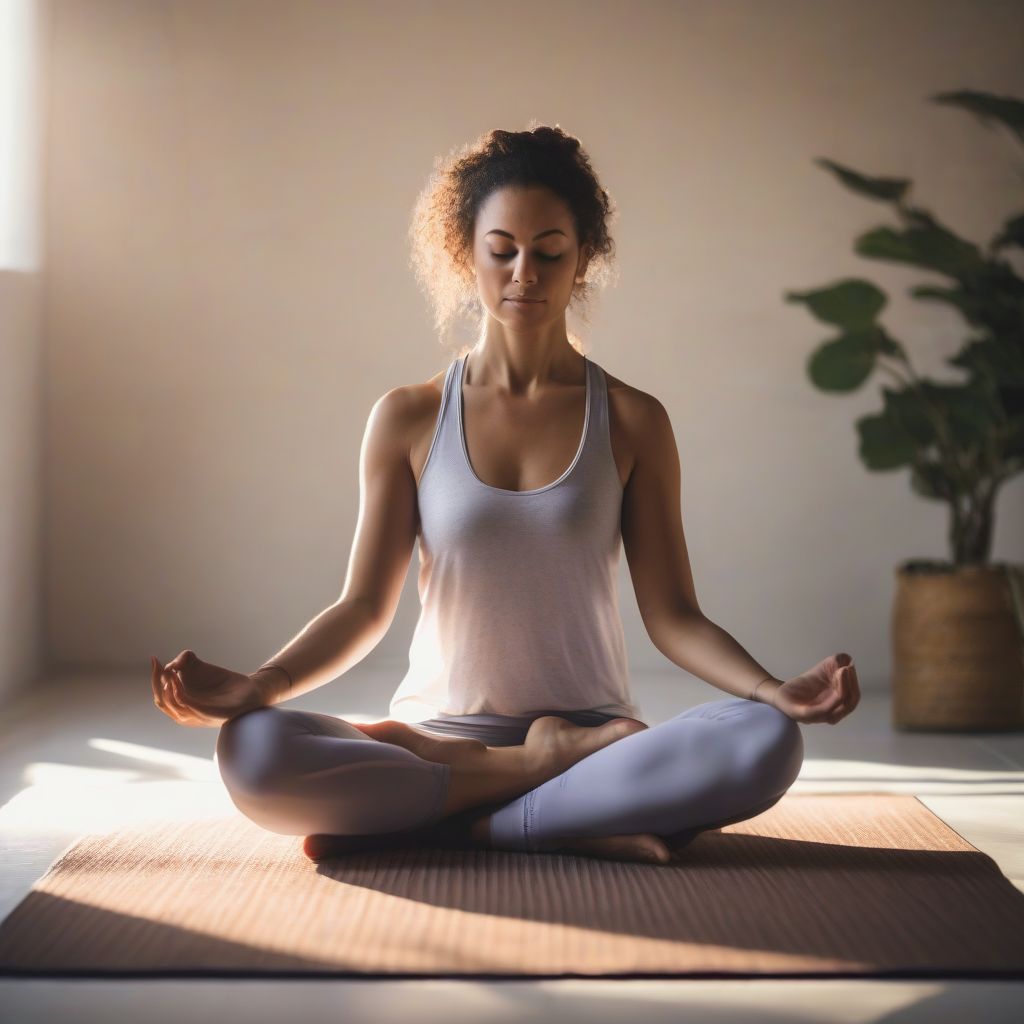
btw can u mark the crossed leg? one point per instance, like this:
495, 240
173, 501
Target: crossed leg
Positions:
712, 765
720, 762
299, 772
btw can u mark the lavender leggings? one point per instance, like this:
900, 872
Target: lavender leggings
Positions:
303, 773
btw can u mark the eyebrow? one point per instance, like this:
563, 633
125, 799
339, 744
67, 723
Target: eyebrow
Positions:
550, 231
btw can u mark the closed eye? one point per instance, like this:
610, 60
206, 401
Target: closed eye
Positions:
509, 255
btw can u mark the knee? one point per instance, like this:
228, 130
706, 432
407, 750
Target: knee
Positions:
248, 749
779, 748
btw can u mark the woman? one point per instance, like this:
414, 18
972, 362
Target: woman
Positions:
522, 468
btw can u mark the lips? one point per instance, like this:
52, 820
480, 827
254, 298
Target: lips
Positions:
517, 298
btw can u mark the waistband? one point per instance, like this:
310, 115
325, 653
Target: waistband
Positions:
505, 730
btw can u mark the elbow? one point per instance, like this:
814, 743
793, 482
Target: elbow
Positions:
665, 626
376, 617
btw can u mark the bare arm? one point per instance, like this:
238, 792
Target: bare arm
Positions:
652, 533
347, 630
655, 545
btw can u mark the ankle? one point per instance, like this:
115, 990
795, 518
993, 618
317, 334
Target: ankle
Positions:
491, 774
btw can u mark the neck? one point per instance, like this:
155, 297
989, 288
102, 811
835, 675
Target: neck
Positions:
521, 367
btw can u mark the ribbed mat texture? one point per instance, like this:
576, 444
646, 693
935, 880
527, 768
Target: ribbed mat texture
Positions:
849, 884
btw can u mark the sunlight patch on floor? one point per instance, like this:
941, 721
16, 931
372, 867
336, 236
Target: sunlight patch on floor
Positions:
158, 783
835, 775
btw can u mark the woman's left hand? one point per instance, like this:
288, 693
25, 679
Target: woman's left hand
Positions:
826, 693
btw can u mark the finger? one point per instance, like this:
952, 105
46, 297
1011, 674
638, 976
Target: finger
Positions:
182, 697
844, 690
830, 703
838, 713
165, 690
158, 691
172, 692
835, 697
854, 687
174, 674
188, 714
164, 696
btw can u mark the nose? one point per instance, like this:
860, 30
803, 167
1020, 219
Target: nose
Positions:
524, 272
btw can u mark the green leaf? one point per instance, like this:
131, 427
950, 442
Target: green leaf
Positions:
919, 216
1006, 110
994, 301
852, 303
909, 410
889, 189
1012, 401
1012, 233
969, 304
1013, 444
931, 248
884, 444
965, 408
971, 416
842, 364
1004, 361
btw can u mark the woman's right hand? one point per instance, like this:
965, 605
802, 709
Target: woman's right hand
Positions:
194, 692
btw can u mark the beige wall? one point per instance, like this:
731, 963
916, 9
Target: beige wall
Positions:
227, 291
21, 526
24, 71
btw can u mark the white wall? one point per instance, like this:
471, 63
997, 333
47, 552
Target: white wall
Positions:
227, 290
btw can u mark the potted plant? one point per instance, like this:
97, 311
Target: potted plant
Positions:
957, 625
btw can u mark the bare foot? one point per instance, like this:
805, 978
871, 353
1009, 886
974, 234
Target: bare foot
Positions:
323, 845
441, 749
557, 744
457, 831
642, 846
553, 744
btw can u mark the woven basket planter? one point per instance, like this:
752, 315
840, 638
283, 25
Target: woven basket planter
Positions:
958, 647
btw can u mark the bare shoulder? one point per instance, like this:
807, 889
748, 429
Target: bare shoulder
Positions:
407, 401
407, 414
631, 404
637, 420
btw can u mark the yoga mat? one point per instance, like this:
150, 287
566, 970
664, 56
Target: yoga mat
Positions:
869, 885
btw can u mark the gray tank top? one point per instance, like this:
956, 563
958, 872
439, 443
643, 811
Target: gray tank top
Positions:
518, 589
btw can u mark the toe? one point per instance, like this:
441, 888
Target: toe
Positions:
632, 725
644, 847
316, 847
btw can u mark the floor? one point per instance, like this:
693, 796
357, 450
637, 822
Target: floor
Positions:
85, 752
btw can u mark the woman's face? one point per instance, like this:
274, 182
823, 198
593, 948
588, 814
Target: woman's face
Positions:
525, 244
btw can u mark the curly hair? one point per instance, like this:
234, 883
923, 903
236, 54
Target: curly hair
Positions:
444, 216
